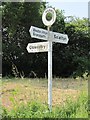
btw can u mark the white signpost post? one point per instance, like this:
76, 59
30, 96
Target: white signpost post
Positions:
46, 46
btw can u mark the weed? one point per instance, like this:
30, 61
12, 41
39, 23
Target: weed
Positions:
76, 109
30, 90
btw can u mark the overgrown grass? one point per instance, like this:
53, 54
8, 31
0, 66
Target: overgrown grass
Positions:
27, 98
71, 109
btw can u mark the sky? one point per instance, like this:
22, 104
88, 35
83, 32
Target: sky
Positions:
78, 8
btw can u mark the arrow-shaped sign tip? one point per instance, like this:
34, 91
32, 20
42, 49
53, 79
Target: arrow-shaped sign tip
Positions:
30, 31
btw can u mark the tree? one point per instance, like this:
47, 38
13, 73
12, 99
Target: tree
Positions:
69, 59
17, 19
78, 48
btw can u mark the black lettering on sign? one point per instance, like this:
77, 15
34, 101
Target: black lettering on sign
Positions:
30, 47
39, 35
35, 30
62, 38
37, 47
45, 33
59, 37
55, 36
49, 10
41, 47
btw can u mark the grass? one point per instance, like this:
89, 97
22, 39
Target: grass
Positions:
27, 98
37, 110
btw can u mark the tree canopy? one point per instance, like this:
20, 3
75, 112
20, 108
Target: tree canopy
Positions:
68, 60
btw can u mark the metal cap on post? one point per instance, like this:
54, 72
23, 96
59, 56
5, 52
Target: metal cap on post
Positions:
48, 23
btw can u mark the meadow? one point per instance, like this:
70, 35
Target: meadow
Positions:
27, 98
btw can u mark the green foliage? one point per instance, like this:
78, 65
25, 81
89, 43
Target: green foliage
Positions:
79, 45
71, 109
16, 21
83, 66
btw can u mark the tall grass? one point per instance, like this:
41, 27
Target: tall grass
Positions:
71, 109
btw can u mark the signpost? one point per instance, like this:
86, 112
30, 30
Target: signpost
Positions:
60, 38
43, 35
46, 46
38, 33
37, 47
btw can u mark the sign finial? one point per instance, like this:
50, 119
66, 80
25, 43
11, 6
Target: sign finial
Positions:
44, 19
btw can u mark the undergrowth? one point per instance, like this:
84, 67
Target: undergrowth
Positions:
71, 109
